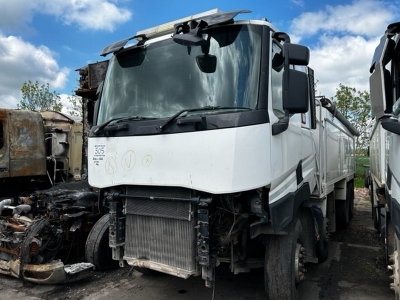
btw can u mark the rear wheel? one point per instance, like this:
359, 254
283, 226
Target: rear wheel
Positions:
322, 244
284, 261
97, 250
396, 268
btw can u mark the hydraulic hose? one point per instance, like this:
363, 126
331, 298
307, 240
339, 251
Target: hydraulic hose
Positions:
331, 107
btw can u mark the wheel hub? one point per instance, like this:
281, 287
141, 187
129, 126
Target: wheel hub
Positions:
395, 267
299, 269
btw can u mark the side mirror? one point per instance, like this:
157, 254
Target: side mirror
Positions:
295, 91
295, 85
295, 97
207, 63
296, 54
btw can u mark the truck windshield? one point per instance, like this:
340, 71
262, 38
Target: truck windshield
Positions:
159, 79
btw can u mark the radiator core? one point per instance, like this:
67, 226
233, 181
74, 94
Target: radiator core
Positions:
161, 232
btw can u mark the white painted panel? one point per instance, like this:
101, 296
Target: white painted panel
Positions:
215, 161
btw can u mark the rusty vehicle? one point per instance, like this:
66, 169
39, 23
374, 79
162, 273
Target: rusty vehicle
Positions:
39, 233
38, 146
47, 208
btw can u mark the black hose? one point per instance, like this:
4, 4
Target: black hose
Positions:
331, 107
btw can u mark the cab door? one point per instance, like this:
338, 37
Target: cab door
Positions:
292, 149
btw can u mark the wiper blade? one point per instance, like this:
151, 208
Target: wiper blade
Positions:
104, 125
160, 128
117, 120
134, 118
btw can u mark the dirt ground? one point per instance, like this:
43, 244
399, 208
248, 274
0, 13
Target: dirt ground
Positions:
355, 269
358, 269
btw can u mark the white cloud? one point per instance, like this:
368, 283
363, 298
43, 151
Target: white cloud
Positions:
298, 2
363, 17
67, 105
344, 39
343, 60
14, 14
21, 61
86, 14
98, 15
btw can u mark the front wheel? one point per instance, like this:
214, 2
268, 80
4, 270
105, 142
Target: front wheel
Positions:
97, 250
284, 263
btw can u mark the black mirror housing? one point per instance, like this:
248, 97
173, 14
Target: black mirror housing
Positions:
295, 91
207, 63
296, 54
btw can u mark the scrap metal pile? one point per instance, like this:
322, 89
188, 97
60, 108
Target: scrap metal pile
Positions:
43, 231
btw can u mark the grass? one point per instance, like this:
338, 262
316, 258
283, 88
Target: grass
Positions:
359, 182
362, 165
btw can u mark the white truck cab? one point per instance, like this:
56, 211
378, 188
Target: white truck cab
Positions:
210, 147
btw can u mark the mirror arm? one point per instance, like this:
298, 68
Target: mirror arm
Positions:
205, 49
282, 125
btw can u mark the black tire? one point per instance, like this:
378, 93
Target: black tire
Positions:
396, 267
97, 250
322, 244
281, 271
342, 214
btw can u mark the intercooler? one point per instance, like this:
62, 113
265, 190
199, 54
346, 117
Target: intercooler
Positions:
160, 235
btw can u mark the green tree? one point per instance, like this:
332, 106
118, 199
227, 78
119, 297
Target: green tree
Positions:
355, 106
76, 105
39, 98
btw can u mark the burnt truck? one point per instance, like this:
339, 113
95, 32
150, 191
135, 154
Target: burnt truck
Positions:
209, 147
384, 181
39, 146
47, 208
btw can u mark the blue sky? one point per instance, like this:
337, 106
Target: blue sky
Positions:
47, 40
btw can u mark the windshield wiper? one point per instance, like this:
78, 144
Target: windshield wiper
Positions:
160, 128
117, 120
135, 118
104, 125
